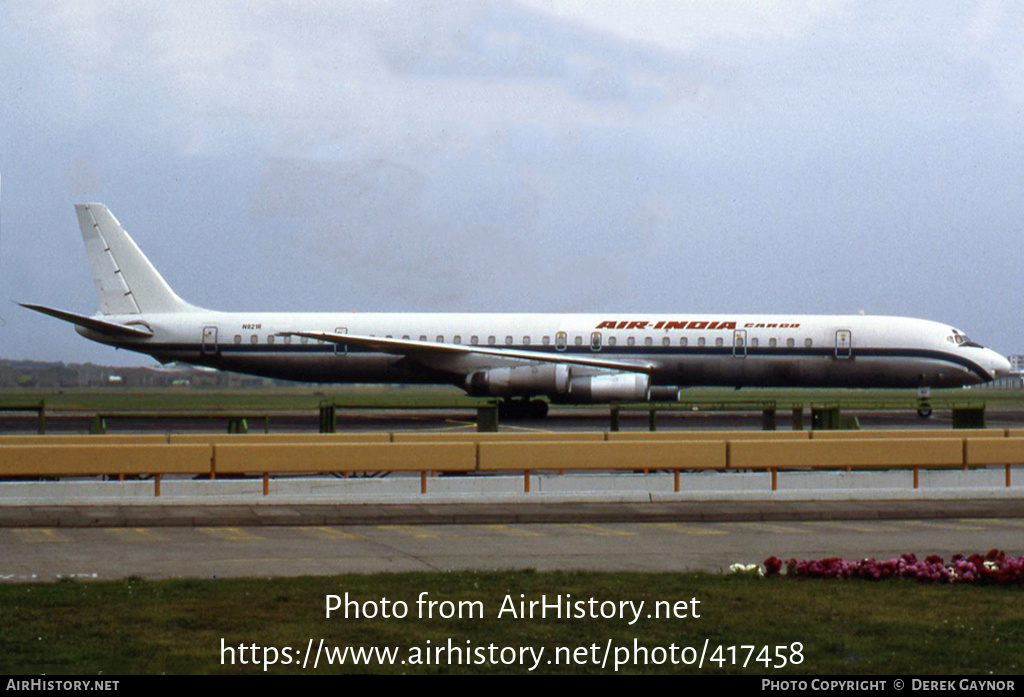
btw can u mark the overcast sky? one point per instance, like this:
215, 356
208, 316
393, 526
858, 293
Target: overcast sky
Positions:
540, 155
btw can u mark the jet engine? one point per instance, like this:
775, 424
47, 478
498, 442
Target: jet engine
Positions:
524, 380
630, 387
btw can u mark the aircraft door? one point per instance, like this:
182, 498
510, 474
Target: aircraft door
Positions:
739, 343
844, 343
341, 349
209, 345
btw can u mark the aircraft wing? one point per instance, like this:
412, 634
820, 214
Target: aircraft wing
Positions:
96, 325
408, 347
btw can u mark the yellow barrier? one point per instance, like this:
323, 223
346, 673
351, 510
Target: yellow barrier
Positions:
893, 453
483, 437
241, 454
70, 439
88, 460
655, 455
994, 452
875, 453
278, 438
344, 457
1006, 452
706, 435
909, 433
94, 460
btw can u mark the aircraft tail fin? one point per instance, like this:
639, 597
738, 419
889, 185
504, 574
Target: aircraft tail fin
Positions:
127, 283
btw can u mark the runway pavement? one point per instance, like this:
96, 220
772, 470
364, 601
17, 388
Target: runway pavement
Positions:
46, 554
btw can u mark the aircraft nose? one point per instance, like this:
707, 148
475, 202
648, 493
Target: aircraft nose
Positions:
1000, 366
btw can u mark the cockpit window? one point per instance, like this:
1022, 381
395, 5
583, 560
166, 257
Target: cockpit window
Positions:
960, 339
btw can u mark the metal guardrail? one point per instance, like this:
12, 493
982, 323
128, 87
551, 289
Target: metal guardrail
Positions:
238, 422
38, 407
968, 410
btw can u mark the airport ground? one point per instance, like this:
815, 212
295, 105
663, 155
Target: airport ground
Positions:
43, 542
409, 540
107, 553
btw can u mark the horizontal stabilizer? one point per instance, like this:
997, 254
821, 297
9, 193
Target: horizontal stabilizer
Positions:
93, 324
407, 347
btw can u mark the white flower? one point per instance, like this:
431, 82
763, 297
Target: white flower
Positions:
746, 569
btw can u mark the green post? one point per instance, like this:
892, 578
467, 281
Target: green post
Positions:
98, 425
798, 418
238, 426
615, 418
42, 418
487, 419
825, 418
970, 417
328, 422
768, 419
652, 420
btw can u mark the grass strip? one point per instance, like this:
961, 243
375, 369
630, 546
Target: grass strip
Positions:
138, 626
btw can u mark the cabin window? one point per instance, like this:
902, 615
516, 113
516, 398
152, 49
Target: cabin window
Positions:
755, 342
546, 340
423, 337
561, 339
808, 343
773, 342
595, 341
526, 341
578, 340
491, 341
666, 341
474, 340
718, 341
611, 341
457, 338
238, 338
270, 339
508, 340
648, 341
631, 341
701, 341
683, 341
791, 342
440, 338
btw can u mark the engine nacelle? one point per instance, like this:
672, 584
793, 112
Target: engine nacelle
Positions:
630, 387
525, 380
664, 394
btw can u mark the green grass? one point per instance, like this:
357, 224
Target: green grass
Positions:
845, 627
269, 399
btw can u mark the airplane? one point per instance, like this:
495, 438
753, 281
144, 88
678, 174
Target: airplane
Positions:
522, 358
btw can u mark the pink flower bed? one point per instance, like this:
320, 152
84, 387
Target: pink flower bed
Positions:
993, 568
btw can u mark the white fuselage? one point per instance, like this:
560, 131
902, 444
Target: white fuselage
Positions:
685, 349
